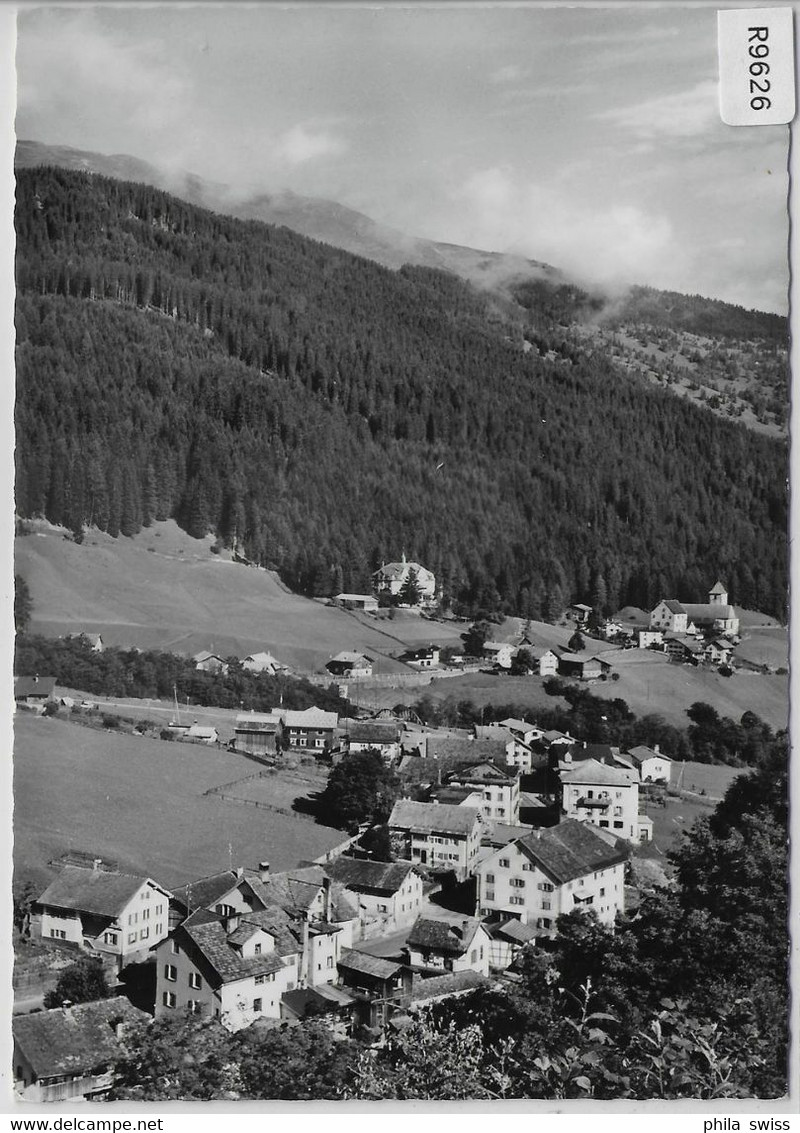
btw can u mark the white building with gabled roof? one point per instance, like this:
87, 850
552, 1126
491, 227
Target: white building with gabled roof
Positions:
602, 795
552, 871
391, 577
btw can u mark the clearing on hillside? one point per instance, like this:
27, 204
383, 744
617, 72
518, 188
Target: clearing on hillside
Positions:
140, 802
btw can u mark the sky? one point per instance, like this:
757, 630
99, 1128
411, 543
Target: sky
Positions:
588, 138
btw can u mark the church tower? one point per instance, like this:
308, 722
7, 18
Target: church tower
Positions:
718, 595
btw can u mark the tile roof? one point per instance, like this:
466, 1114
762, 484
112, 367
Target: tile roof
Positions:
674, 606
466, 750
216, 947
517, 931
454, 796
451, 984
502, 833
367, 965
353, 873
432, 818
571, 849
708, 611
518, 725
641, 753
206, 891
92, 891
34, 686
351, 658
74, 1040
369, 732
443, 936
592, 771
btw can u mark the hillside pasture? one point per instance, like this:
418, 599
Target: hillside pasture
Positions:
161, 589
140, 802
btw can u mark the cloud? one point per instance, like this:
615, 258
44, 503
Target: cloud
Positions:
507, 74
301, 144
685, 114
607, 245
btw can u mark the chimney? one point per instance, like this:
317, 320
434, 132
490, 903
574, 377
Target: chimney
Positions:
96, 863
231, 923
657, 749
304, 956
239, 871
326, 897
263, 871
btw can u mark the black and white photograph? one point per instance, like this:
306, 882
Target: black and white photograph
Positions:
401, 559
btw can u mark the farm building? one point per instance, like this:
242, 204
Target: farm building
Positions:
257, 733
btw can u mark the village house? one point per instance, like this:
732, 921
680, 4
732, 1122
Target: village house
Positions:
389, 894
310, 730
500, 653
33, 693
437, 836
199, 734
604, 796
370, 735
546, 661
206, 662
449, 947
553, 871
683, 647
652, 765
103, 912
498, 787
382, 987
233, 968
257, 733
391, 578
580, 612
426, 657
582, 666
93, 640
69, 1054
366, 602
263, 663
647, 638
308, 917
348, 664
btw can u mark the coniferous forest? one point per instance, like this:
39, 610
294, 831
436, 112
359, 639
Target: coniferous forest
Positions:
321, 414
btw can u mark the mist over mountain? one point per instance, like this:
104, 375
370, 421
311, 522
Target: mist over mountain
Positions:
323, 413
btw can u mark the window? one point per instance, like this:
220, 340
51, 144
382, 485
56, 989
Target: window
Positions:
130, 918
158, 910
617, 810
143, 935
545, 887
527, 867
581, 881
195, 1006
490, 894
256, 1004
257, 950
517, 883
174, 947
618, 825
545, 904
383, 908
505, 863
109, 938
158, 930
473, 956
490, 879
545, 922
604, 822
195, 980
516, 900
131, 938
330, 961
170, 972
145, 914
602, 892
169, 999
59, 934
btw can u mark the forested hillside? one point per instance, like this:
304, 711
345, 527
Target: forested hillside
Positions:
324, 413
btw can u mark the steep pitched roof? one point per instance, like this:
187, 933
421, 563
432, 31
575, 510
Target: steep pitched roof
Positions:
514, 930
206, 891
432, 818
571, 849
486, 772
718, 588
217, 949
92, 891
591, 771
353, 873
74, 1040
443, 936
351, 658
708, 611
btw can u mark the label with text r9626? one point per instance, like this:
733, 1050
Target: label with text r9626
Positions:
756, 66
